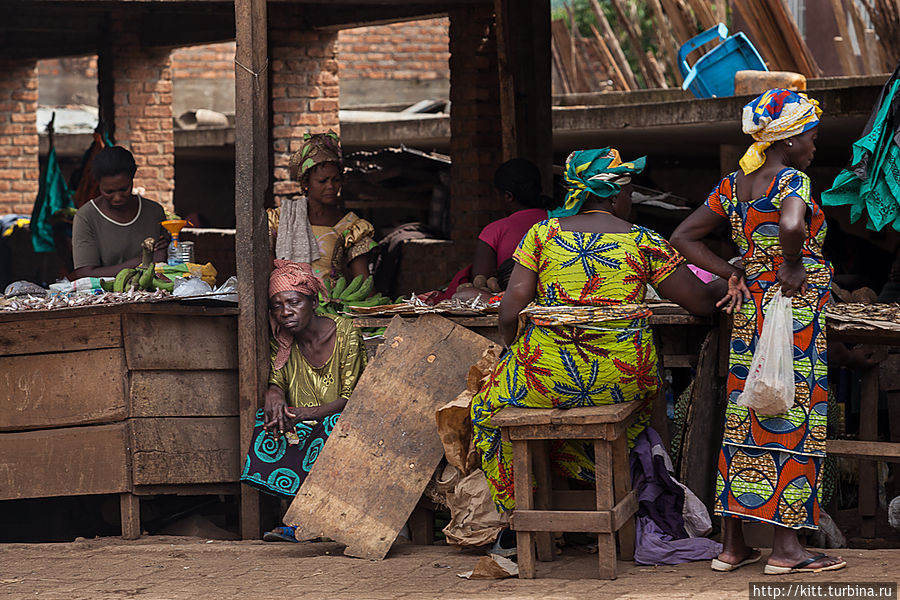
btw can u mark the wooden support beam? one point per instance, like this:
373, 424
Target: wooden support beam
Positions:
868, 469
612, 43
252, 174
523, 37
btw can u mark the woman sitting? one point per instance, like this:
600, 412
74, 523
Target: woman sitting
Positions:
314, 226
316, 361
108, 230
594, 257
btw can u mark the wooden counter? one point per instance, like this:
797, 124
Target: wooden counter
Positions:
133, 399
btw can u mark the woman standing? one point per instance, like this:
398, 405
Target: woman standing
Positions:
770, 465
314, 227
596, 258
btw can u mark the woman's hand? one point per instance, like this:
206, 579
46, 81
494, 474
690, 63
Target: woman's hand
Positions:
736, 295
295, 414
792, 277
276, 417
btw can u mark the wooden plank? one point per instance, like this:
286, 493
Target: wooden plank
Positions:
55, 390
385, 447
72, 461
191, 489
251, 150
540, 461
612, 67
184, 394
562, 520
512, 416
884, 451
154, 342
868, 473
168, 307
597, 431
60, 335
525, 538
625, 499
622, 514
859, 28
634, 41
185, 450
704, 424
130, 515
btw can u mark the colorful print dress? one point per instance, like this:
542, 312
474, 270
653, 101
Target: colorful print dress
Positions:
568, 366
770, 465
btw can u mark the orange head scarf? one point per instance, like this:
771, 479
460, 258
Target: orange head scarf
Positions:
285, 277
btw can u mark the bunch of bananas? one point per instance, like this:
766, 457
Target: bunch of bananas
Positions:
355, 293
144, 277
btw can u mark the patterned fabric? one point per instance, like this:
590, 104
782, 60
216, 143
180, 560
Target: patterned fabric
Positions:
317, 148
289, 276
775, 115
305, 385
595, 172
770, 466
278, 466
349, 238
567, 366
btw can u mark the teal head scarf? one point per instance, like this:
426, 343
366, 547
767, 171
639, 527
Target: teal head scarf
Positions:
595, 172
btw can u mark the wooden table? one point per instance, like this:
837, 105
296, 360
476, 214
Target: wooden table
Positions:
866, 447
129, 399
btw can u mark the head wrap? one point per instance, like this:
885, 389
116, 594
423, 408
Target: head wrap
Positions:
595, 172
775, 115
317, 148
290, 276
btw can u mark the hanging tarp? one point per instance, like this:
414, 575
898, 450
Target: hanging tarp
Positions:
53, 195
85, 186
871, 183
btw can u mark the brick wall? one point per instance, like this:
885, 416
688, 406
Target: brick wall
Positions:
143, 110
209, 61
409, 50
474, 121
19, 173
304, 83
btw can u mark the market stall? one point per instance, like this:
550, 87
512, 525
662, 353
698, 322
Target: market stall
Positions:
133, 399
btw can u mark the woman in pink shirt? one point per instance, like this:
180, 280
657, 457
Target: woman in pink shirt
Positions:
518, 181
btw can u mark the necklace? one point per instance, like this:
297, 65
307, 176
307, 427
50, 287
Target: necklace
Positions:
587, 212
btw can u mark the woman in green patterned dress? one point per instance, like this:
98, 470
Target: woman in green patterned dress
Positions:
585, 254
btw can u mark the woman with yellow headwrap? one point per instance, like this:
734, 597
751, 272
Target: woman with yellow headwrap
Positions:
770, 465
589, 255
314, 227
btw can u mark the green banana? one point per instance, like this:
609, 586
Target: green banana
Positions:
159, 284
146, 278
365, 290
373, 301
131, 280
399, 300
348, 288
107, 284
119, 283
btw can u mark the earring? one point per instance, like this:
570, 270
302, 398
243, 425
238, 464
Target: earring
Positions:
789, 143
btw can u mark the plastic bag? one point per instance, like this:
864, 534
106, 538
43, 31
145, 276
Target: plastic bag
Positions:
769, 389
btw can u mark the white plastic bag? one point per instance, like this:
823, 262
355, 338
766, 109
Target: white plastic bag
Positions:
769, 389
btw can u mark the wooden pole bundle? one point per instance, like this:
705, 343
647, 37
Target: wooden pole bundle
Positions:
612, 43
777, 37
885, 18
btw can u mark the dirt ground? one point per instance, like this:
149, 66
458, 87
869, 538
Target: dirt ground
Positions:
170, 568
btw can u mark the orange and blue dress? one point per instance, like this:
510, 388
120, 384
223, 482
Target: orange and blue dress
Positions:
770, 466
582, 365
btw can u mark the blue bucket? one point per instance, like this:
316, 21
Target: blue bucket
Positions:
713, 74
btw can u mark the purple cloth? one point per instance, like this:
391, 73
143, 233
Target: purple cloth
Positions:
660, 534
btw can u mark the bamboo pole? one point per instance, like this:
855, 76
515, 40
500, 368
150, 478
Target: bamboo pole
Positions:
703, 13
613, 44
680, 26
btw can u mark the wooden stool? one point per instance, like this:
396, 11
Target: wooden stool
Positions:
541, 512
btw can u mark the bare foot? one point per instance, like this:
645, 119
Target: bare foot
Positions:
734, 556
789, 560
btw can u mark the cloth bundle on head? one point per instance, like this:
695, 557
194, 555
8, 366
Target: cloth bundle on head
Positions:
317, 148
595, 172
775, 115
285, 277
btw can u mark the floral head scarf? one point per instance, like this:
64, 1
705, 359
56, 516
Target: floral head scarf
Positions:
595, 172
775, 115
317, 148
290, 276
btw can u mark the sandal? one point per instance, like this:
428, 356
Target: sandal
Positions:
722, 566
280, 534
803, 566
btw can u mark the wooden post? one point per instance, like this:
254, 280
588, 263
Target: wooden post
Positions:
106, 85
868, 469
523, 59
130, 508
252, 235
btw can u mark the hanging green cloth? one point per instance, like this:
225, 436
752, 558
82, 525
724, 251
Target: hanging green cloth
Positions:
53, 195
871, 183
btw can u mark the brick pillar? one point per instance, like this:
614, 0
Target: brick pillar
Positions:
142, 99
305, 93
475, 136
19, 172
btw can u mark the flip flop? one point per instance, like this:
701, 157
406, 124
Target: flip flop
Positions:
280, 534
803, 566
722, 566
